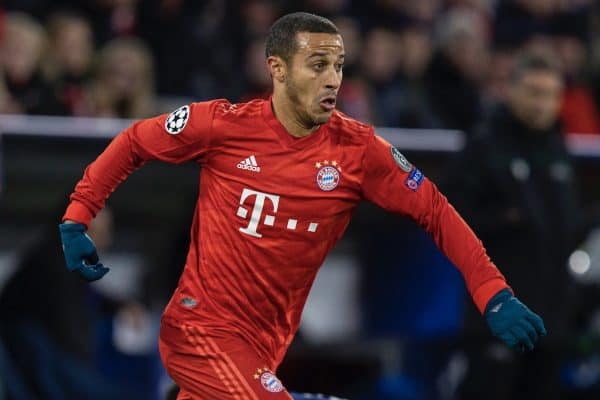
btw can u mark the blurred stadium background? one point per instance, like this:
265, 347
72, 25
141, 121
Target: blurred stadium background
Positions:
389, 317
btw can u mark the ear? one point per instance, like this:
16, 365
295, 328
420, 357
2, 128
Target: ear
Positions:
277, 68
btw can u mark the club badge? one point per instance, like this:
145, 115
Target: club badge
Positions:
268, 380
328, 175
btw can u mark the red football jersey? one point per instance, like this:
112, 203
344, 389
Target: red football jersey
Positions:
270, 208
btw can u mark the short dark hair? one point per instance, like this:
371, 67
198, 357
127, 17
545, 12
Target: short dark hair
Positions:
281, 40
534, 61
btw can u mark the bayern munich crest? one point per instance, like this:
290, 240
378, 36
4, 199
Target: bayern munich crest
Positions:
268, 380
328, 175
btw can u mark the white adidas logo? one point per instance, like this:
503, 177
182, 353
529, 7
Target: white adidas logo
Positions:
249, 164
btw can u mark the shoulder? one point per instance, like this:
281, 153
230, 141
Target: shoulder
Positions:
228, 111
348, 129
223, 109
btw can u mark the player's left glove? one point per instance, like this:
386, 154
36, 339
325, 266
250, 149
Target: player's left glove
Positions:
512, 322
80, 252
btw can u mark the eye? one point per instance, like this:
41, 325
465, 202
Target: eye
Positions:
339, 67
319, 66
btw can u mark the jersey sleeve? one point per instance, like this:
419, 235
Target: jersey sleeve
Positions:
184, 135
392, 183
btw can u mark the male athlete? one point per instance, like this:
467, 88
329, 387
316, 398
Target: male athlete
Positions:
279, 181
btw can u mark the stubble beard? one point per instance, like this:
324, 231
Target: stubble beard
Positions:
303, 114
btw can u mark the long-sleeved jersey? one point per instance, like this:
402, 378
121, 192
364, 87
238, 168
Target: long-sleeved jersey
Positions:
270, 208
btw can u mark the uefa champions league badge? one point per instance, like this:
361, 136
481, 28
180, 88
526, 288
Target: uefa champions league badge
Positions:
328, 174
268, 380
177, 120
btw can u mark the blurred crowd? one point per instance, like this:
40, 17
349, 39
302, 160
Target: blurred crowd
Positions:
514, 75
425, 64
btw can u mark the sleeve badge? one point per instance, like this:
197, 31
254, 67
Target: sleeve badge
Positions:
177, 120
400, 160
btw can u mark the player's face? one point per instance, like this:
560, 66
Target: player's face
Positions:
314, 76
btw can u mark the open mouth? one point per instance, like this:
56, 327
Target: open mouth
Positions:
327, 103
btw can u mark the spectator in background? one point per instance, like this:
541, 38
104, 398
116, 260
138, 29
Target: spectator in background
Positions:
413, 109
196, 26
380, 64
579, 111
516, 185
124, 82
594, 48
258, 15
257, 79
113, 18
22, 87
354, 97
517, 21
496, 84
69, 60
394, 67
454, 77
47, 329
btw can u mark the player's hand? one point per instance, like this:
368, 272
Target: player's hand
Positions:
512, 322
80, 252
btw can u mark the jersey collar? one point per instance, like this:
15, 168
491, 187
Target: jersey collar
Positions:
286, 138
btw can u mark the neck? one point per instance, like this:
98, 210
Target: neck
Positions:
285, 113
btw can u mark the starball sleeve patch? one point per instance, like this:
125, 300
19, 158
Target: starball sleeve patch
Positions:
177, 120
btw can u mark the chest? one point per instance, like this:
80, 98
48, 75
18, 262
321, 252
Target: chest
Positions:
318, 173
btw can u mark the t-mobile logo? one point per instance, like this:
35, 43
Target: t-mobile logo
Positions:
269, 219
259, 203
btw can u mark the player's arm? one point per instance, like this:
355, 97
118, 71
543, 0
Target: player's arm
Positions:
183, 135
391, 182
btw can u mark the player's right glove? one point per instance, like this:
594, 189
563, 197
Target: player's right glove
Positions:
512, 322
80, 252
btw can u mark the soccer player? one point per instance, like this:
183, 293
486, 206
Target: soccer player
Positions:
279, 181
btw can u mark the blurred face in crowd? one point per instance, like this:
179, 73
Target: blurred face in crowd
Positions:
73, 45
22, 49
462, 37
416, 51
125, 69
310, 80
468, 52
381, 56
535, 98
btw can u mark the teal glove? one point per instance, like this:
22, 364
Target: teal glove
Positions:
512, 322
80, 252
